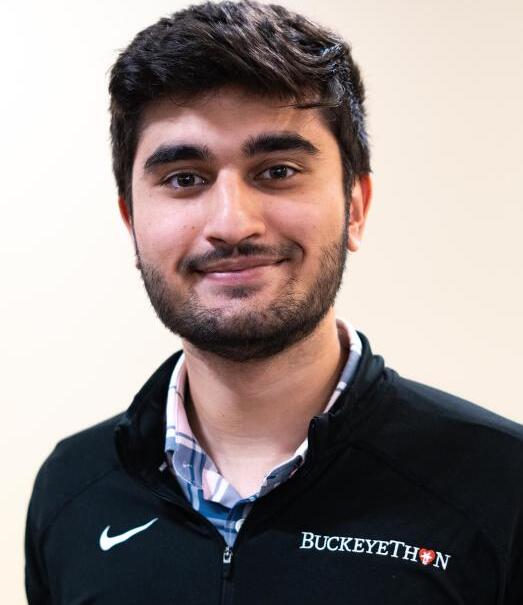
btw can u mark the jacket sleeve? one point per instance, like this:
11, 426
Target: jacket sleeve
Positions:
36, 582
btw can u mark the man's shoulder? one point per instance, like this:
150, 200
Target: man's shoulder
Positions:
76, 463
79, 462
447, 436
413, 416
464, 454
443, 414
88, 447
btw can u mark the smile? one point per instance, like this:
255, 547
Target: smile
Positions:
239, 270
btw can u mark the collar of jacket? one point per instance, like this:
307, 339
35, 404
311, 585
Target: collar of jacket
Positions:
140, 434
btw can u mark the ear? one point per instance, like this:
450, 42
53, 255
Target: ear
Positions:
128, 222
361, 196
126, 215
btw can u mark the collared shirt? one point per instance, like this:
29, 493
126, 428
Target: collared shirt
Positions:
203, 485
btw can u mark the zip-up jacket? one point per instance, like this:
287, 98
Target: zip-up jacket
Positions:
407, 495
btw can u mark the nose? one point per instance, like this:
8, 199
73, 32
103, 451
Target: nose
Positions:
234, 211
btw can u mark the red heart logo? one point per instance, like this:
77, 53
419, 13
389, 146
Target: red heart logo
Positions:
426, 556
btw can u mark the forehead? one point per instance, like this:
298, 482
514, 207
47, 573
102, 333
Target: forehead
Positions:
225, 119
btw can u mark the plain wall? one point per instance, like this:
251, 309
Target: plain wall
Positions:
436, 286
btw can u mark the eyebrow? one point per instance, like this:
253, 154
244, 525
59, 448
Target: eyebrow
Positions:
278, 141
166, 154
262, 143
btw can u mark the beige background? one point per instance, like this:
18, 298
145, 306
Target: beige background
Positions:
437, 286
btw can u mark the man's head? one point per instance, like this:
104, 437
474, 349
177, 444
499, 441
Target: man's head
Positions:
264, 49
241, 159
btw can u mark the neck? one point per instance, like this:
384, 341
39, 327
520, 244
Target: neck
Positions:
250, 416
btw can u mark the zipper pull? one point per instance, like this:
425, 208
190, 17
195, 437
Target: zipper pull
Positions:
227, 562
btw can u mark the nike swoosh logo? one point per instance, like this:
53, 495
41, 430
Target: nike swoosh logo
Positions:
107, 542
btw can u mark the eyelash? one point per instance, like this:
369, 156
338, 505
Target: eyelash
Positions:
175, 175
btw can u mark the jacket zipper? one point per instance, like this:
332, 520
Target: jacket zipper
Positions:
226, 596
227, 554
227, 562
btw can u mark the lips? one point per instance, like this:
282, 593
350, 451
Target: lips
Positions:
249, 271
234, 265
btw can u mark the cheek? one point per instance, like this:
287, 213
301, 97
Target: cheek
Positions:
164, 239
311, 225
318, 208
162, 229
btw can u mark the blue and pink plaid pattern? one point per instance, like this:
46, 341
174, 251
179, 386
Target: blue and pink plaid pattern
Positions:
205, 488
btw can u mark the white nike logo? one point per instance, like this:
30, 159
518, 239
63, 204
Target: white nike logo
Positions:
107, 542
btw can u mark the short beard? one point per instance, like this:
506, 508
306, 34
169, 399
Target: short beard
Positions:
256, 334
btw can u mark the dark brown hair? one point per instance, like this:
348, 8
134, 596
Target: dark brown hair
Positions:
264, 48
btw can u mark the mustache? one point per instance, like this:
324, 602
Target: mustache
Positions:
201, 261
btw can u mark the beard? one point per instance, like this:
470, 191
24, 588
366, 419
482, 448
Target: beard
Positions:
256, 333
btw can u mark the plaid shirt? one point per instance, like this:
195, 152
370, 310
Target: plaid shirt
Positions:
207, 491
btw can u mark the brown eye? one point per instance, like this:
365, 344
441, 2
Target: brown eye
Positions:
281, 171
183, 180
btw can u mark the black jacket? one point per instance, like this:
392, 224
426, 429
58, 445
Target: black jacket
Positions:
407, 495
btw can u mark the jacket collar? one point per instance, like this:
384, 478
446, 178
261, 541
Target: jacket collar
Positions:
140, 434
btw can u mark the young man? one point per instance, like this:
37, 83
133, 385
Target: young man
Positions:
275, 460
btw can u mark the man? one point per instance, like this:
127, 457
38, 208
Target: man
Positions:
276, 459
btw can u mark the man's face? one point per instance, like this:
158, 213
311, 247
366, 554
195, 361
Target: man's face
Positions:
239, 220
